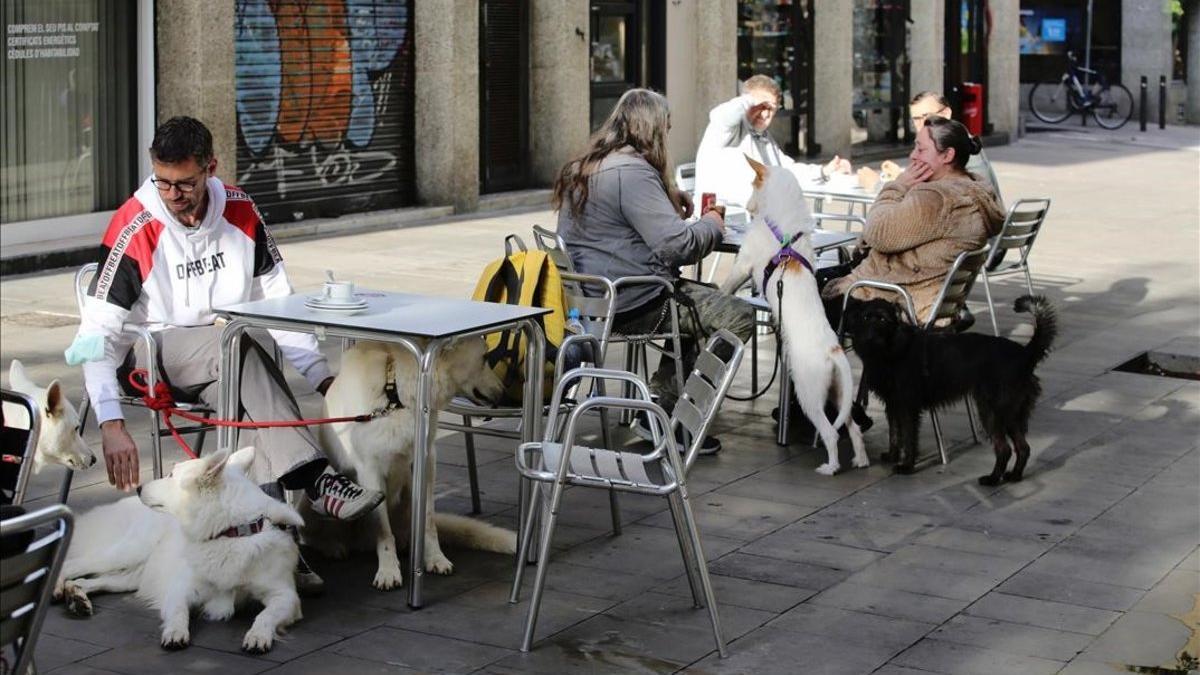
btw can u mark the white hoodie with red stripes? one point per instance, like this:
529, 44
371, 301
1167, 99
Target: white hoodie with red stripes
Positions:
156, 272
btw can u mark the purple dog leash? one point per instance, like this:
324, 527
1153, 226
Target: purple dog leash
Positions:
785, 253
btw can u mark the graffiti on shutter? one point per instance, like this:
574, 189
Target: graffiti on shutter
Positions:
324, 105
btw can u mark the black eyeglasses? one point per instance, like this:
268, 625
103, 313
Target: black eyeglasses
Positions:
184, 186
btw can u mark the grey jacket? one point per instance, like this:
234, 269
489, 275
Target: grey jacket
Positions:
628, 227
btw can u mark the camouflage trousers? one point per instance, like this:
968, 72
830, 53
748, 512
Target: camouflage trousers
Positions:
703, 310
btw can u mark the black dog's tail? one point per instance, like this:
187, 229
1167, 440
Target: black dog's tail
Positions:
1045, 326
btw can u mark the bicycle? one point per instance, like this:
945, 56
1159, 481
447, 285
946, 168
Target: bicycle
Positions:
1052, 102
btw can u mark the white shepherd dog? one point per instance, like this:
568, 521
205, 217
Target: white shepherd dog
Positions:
58, 440
205, 536
378, 454
814, 355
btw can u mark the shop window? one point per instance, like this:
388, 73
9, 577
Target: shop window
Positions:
68, 121
775, 39
881, 71
628, 50
1051, 28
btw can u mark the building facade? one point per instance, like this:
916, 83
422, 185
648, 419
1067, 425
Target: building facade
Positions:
323, 108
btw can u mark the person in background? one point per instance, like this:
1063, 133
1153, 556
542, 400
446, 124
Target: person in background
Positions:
184, 243
620, 215
741, 126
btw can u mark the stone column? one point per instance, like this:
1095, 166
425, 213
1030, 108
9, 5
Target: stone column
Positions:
1004, 67
1145, 49
447, 102
1193, 64
560, 108
194, 71
927, 46
715, 43
833, 58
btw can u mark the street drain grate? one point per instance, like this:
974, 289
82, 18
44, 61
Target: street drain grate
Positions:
1168, 361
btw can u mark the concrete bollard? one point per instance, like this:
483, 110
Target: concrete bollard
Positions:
1162, 101
1142, 105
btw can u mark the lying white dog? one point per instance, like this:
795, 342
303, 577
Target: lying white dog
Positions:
781, 221
58, 439
378, 454
203, 536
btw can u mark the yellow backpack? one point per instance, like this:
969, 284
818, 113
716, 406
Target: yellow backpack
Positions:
527, 278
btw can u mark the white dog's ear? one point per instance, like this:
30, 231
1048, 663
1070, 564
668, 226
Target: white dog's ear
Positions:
242, 459
17, 378
760, 170
214, 466
54, 400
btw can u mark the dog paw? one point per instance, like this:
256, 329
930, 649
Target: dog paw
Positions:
174, 639
828, 469
77, 602
438, 564
388, 579
1013, 477
989, 480
256, 642
860, 462
57, 594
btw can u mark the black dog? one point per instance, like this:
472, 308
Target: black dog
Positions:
913, 371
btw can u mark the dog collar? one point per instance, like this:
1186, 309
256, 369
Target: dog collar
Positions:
785, 254
389, 390
247, 529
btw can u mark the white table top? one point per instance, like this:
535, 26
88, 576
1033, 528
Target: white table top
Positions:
839, 191
406, 314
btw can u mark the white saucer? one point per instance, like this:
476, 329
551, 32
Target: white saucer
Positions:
325, 305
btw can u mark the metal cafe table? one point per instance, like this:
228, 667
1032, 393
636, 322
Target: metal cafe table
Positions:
421, 324
853, 195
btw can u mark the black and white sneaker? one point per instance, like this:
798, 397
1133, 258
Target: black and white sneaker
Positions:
336, 496
641, 429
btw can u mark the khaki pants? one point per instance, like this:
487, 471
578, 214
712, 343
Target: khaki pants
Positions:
189, 361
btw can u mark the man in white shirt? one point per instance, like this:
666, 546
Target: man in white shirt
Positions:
740, 126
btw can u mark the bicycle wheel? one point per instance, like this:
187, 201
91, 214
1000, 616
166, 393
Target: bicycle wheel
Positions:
1050, 102
1114, 108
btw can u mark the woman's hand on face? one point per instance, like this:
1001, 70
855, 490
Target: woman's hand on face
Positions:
917, 172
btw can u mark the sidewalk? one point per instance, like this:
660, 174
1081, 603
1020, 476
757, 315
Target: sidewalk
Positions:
1091, 565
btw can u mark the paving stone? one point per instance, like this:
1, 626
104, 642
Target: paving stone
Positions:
790, 546
891, 669
993, 567
1085, 667
1137, 566
625, 639
861, 528
778, 650
613, 585
107, 628
739, 592
949, 657
326, 662
599, 655
484, 616
52, 651
1071, 590
153, 659
735, 517
1192, 562
939, 583
1140, 639
651, 551
335, 614
1043, 613
665, 610
853, 628
1175, 595
73, 669
985, 543
227, 636
889, 602
783, 492
419, 651
776, 571
1013, 638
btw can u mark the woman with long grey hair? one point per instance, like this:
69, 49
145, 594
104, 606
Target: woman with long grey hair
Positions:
621, 215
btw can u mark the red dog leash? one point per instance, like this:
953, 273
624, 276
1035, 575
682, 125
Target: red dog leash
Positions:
161, 400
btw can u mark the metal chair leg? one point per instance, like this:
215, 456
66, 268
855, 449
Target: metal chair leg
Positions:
937, 432
200, 438
472, 469
539, 582
156, 443
1028, 279
526, 529
685, 549
702, 567
987, 289
606, 438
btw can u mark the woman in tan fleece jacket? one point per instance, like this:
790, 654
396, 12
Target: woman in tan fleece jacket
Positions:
924, 219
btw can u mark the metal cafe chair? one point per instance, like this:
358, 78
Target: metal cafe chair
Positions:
596, 309
950, 300
24, 454
83, 279
1021, 227
27, 578
556, 462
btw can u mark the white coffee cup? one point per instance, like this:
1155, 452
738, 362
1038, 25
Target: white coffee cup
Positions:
339, 291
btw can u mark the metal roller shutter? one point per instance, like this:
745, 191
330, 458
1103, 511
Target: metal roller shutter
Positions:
504, 94
325, 106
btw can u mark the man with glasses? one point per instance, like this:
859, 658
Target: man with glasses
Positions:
741, 126
183, 244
